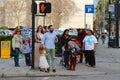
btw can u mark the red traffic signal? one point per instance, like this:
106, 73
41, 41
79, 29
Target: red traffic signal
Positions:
45, 7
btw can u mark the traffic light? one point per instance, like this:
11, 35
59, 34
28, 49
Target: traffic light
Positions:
45, 7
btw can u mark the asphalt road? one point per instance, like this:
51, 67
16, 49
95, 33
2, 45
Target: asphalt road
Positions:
88, 77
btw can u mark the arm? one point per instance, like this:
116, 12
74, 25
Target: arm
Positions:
95, 46
37, 39
83, 46
13, 42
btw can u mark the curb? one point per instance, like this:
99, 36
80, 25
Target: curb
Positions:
37, 74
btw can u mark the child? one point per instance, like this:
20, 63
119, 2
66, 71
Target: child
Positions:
72, 60
26, 51
43, 64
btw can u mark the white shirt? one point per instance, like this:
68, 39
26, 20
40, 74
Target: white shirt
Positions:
89, 42
49, 40
40, 36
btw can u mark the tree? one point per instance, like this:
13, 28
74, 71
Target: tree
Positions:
15, 12
61, 11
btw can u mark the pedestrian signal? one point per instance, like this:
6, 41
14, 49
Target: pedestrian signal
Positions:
45, 7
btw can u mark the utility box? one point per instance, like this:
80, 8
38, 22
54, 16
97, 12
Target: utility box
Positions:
5, 49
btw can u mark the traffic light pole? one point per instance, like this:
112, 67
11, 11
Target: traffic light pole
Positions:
44, 17
117, 25
33, 32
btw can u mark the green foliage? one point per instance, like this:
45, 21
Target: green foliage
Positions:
3, 27
5, 37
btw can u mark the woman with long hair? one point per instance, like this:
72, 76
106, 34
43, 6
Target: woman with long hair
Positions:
39, 41
65, 53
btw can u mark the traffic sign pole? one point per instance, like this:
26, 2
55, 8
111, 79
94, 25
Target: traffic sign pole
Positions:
88, 9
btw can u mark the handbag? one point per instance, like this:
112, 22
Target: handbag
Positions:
13, 53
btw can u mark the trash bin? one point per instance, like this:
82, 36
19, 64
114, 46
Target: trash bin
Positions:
5, 49
111, 43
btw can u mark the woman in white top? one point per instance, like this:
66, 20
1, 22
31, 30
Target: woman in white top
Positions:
90, 45
17, 46
39, 41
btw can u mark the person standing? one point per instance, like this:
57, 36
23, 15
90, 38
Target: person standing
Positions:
90, 45
43, 64
103, 38
26, 51
81, 36
17, 46
65, 52
49, 40
39, 40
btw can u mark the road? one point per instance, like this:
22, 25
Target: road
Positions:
87, 77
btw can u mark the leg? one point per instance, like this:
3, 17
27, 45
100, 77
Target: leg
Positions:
74, 64
52, 54
86, 56
93, 63
26, 59
71, 65
16, 57
29, 59
81, 57
48, 57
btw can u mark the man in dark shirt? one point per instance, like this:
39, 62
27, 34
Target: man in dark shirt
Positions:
81, 35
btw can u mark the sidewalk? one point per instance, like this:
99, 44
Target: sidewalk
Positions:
107, 62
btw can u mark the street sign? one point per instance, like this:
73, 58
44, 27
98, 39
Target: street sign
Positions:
111, 8
89, 8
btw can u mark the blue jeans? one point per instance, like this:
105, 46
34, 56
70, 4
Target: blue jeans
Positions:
66, 58
27, 59
16, 57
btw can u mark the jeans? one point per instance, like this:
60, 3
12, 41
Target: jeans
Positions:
51, 57
27, 59
66, 58
103, 40
16, 57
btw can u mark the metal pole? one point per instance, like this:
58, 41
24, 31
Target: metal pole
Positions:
85, 18
117, 25
109, 23
44, 17
33, 33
